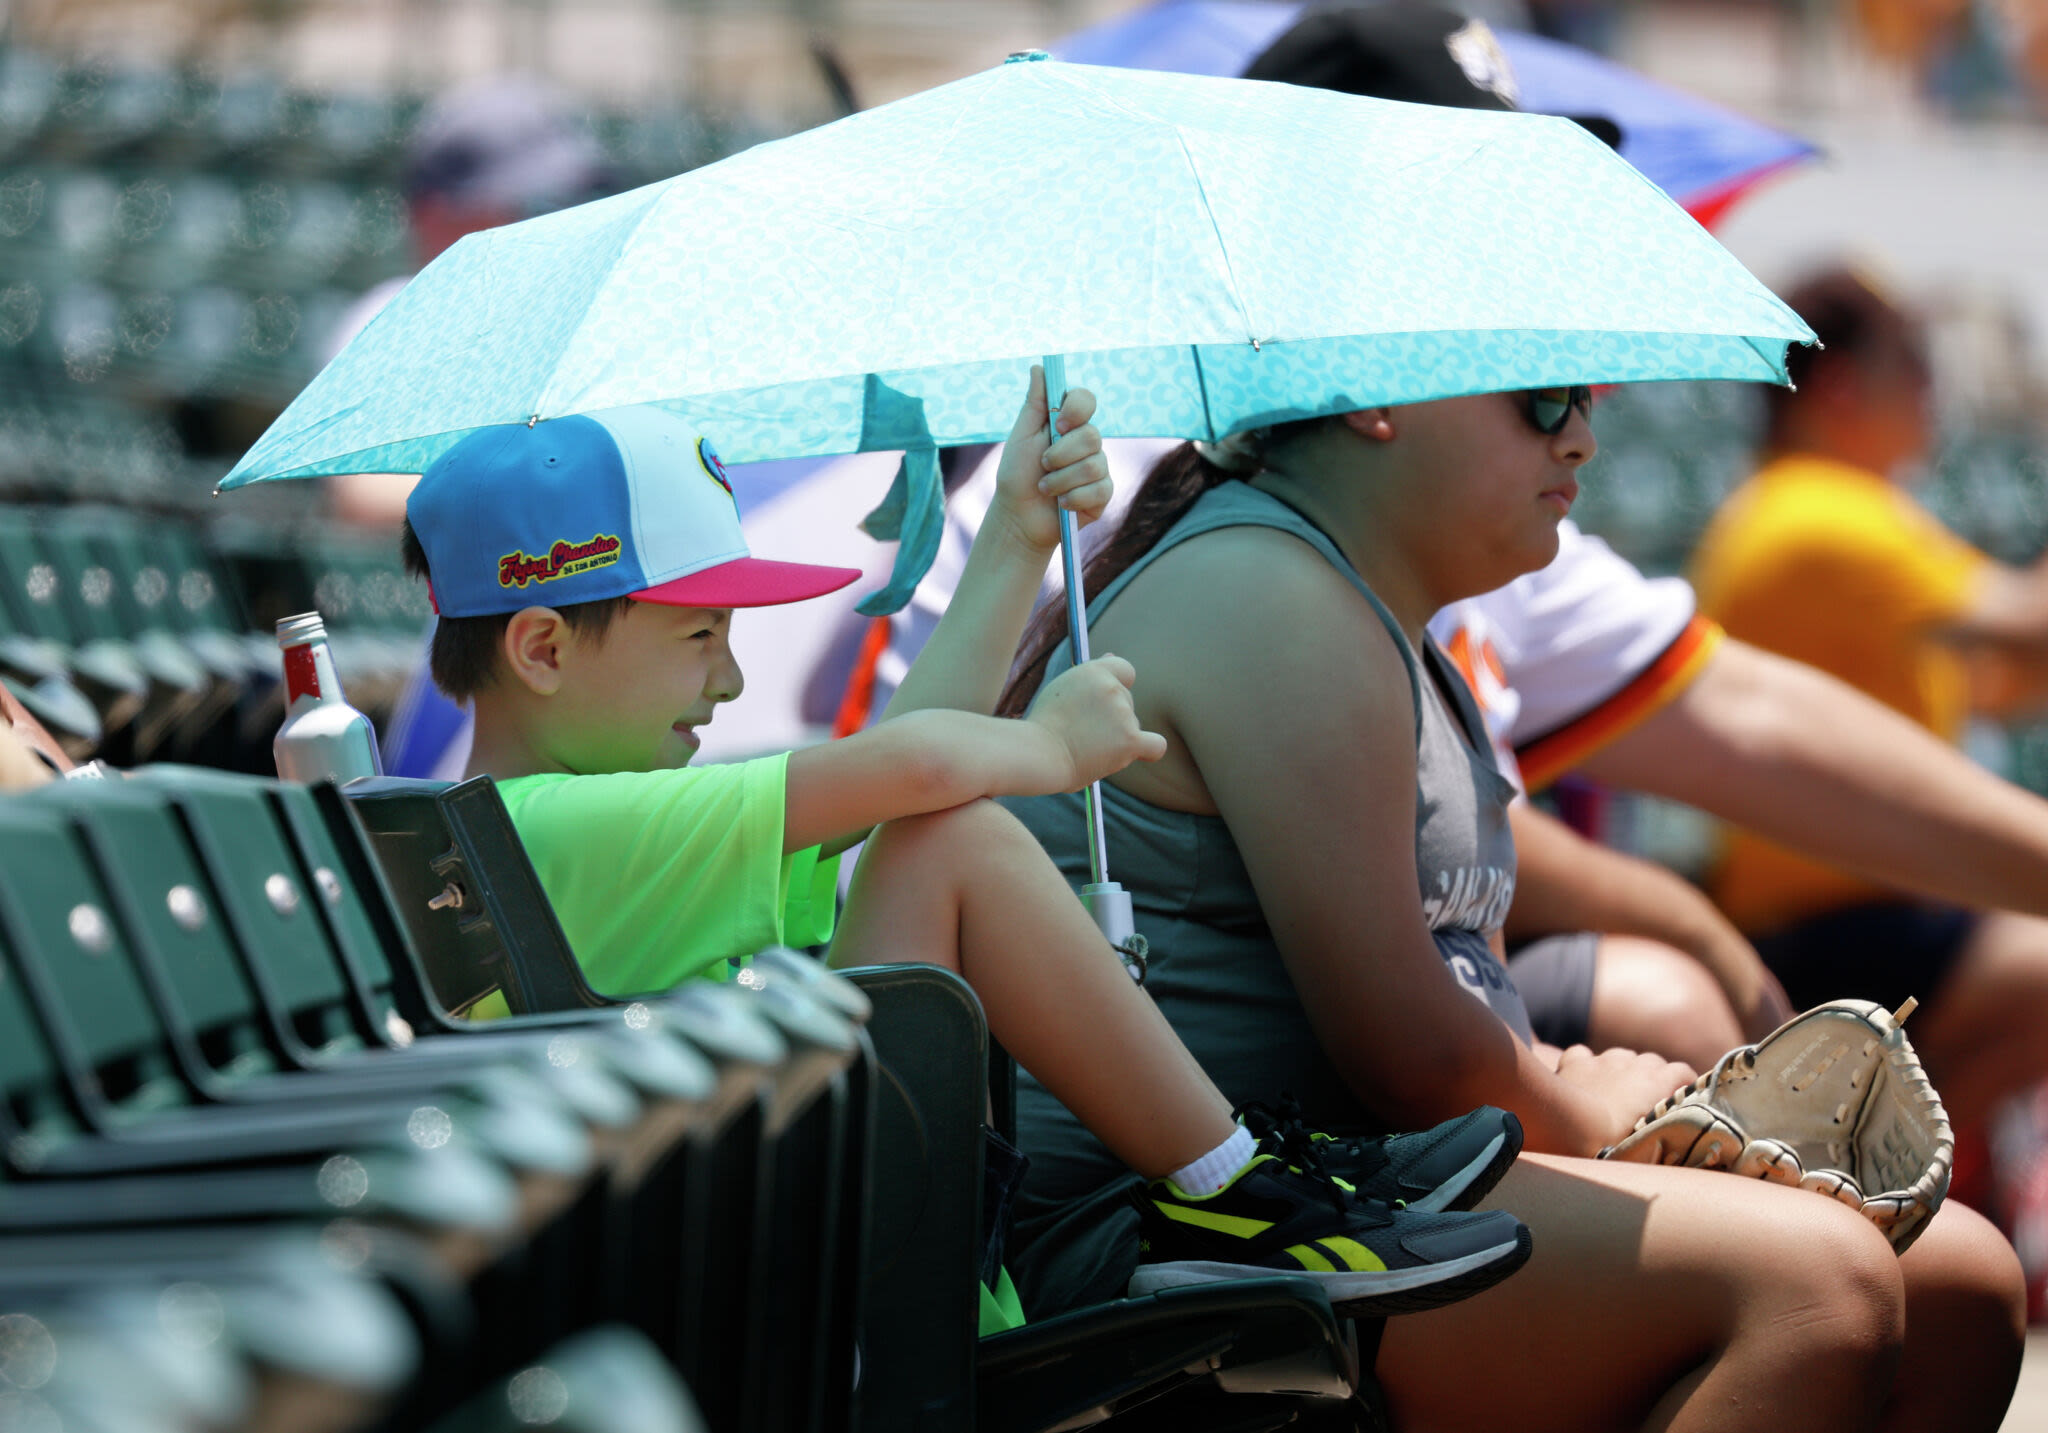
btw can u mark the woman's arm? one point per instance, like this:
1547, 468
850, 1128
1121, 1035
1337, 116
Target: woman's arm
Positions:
20, 768
964, 665
1294, 703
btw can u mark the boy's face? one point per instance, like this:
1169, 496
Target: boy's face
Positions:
632, 700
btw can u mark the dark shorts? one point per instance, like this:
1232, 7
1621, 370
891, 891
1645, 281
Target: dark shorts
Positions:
1555, 976
1883, 951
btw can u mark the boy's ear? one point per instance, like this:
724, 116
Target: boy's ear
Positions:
533, 646
1374, 423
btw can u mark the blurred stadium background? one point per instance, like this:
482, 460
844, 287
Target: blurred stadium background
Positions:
192, 196
194, 192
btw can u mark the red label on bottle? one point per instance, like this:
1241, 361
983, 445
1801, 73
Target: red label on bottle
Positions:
301, 677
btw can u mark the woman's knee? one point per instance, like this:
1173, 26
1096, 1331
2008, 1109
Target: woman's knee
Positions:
1648, 1279
1867, 1293
1648, 996
1793, 1266
1963, 1275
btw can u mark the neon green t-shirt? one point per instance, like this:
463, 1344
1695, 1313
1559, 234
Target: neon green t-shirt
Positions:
663, 876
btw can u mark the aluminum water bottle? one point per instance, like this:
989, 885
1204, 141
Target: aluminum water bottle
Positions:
322, 736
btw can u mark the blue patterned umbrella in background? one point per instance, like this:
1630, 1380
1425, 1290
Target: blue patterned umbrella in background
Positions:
1704, 156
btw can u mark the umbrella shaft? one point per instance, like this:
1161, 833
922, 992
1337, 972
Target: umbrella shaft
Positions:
1077, 605
1077, 601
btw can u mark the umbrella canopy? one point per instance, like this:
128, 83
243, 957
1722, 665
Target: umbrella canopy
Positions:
1700, 154
1209, 254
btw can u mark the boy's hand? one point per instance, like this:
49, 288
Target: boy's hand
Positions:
1088, 711
1034, 481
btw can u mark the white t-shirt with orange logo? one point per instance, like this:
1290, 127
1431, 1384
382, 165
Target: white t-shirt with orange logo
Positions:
1569, 657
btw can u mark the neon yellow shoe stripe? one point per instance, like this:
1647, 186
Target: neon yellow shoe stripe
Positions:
1355, 1255
1235, 1224
1309, 1259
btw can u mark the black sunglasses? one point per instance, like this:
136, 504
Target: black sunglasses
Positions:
1549, 409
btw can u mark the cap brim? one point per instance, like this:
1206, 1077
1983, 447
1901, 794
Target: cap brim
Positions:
749, 582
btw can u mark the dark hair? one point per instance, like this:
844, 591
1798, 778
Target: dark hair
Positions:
464, 656
1176, 482
1853, 321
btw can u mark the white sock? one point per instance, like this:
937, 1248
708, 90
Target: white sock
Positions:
1213, 1170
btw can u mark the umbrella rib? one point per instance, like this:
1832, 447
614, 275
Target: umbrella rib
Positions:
1763, 349
1222, 249
1202, 386
631, 232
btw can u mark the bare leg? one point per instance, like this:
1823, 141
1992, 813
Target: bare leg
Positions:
1980, 1035
1669, 1299
1647, 996
969, 889
1966, 1317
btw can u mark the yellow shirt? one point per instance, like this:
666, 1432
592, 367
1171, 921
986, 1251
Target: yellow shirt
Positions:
1838, 568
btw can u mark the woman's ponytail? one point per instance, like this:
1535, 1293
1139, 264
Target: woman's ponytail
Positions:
1173, 486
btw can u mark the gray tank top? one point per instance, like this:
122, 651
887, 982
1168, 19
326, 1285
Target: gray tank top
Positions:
1216, 973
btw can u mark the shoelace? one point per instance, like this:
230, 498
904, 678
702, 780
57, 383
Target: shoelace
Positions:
1365, 1154
1282, 1134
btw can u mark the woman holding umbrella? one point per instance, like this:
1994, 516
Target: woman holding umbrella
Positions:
1324, 765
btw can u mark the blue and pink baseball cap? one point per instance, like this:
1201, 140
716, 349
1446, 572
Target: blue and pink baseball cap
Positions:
625, 503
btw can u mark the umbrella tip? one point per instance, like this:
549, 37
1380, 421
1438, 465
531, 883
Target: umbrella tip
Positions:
1017, 56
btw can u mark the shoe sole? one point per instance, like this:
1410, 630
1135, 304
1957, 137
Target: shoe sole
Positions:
1475, 1181
1361, 1294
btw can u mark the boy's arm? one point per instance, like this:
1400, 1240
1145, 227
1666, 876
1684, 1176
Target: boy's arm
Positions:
1082, 729
964, 665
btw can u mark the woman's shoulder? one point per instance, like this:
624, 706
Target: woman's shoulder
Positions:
1252, 562
1247, 588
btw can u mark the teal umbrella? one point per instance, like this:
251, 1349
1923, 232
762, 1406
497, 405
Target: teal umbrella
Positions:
1208, 255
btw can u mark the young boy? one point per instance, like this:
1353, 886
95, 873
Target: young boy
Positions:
586, 570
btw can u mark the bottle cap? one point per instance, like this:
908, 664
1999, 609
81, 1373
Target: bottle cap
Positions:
306, 627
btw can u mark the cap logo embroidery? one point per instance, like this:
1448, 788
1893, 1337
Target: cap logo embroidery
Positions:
715, 467
1484, 62
564, 559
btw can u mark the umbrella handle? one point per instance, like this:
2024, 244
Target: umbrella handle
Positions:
1108, 902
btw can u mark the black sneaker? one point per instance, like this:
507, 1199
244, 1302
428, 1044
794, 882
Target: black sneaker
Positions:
1277, 1216
1450, 1167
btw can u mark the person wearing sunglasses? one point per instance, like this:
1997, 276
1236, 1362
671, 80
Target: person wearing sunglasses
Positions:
1322, 864
1551, 408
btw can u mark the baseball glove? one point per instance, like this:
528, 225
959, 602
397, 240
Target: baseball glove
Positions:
1833, 1101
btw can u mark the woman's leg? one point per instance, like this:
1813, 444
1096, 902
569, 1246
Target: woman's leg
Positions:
1966, 1326
1669, 1299
1648, 996
969, 889
1980, 1033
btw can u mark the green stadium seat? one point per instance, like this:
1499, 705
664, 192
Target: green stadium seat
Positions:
608, 1380
1253, 1354
481, 921
31, 584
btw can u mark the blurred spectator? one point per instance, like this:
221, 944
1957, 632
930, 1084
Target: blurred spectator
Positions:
488, 153
1591, 24
1824, 557
29, 756
1969, 54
